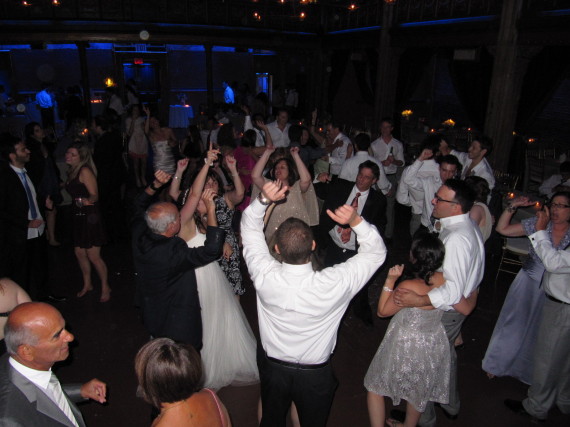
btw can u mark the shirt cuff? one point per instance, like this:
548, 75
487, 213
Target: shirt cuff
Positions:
539, 236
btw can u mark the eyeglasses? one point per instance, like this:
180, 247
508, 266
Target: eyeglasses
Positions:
558, 206
439, 199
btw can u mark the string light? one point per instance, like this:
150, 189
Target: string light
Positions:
302, 15
55, 2
352, 6
26, 3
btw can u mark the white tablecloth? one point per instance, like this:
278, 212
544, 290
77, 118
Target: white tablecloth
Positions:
179, 116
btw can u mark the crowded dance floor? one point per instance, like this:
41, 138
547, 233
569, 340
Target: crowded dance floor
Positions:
284, 213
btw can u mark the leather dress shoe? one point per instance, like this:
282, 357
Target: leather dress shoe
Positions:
517, 407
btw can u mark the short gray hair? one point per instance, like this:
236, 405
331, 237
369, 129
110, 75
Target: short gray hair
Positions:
17, 335
158, 219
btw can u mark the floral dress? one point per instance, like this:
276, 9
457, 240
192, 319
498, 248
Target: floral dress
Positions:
230, 267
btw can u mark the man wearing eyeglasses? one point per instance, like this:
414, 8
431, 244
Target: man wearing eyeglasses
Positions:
463, 269
428, 183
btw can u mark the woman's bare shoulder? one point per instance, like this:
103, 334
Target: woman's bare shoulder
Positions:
417, 285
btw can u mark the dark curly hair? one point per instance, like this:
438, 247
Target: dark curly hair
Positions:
426, 255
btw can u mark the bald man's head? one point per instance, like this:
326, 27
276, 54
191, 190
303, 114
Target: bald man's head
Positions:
35, 335
163, 218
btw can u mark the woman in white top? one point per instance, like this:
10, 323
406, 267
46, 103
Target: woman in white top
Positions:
479, 213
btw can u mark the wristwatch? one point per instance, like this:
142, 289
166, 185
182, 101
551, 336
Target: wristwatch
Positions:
152, 187
264, 200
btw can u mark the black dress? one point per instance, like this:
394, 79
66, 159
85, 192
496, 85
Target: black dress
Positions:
88, 230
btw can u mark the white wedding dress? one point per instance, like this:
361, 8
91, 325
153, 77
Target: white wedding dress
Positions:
229, 347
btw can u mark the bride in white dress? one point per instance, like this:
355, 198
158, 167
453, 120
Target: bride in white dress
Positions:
229, 346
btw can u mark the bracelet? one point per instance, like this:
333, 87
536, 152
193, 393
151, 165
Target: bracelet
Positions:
511, 208
264, 200
152, 187
176, 177
387, 289
235, 174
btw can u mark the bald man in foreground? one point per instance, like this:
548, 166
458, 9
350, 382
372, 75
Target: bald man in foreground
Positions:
166, 283
30, 393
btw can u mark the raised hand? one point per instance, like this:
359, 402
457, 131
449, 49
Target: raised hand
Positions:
542, 219
314, 116
274, 191
182, 164
395, 272
426, 154
212, 155
521, 201
245, 109
146, 110
261, 124
294, 151
345, 214
231, 163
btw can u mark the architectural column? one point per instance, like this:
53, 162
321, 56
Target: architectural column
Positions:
387, 70
506, 83
209, 78
85, 86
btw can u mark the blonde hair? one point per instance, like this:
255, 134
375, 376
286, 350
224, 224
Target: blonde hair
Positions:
85, 159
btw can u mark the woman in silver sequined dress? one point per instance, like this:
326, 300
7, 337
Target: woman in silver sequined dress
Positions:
162, 141
413, 360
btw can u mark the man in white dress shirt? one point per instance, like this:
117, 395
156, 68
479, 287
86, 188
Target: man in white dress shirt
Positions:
341, 145
413, 196
474, 162
350, 167
551, 374
299, 309
463, 269
30, 393
279, 129
419, 176
390, 152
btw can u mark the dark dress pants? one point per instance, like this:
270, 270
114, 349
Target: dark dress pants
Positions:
312, 391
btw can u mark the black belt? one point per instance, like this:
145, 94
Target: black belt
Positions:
298, 365
551, 298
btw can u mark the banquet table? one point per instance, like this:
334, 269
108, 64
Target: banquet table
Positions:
179, 116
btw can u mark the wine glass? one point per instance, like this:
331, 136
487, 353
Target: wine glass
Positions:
79, 202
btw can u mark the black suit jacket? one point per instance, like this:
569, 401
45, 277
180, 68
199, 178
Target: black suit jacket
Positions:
336, 194
22, 403
166, 283
14, 221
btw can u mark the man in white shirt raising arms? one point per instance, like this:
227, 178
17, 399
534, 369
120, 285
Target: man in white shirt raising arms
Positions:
463, 269
474, 162
390, 152
299, 310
